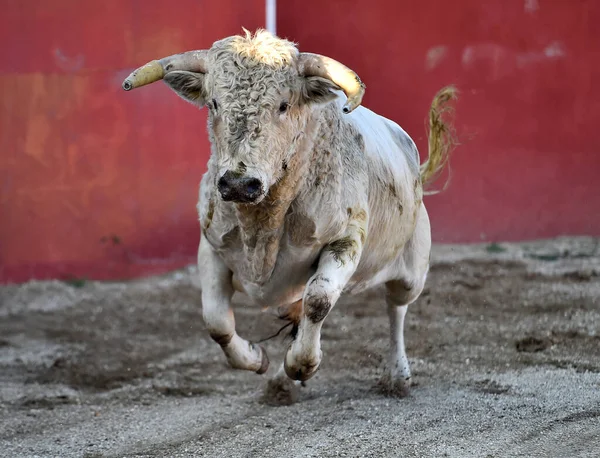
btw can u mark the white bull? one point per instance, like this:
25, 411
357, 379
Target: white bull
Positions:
307, 195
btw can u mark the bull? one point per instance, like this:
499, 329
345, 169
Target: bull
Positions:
307, 195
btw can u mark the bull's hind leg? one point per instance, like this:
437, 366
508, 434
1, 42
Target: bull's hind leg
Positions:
399, 294
217, 291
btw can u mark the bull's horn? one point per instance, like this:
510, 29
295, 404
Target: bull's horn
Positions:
316, 65
191, 61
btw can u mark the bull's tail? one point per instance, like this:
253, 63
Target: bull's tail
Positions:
442, 138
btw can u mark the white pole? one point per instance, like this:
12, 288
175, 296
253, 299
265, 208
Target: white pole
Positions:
271, 8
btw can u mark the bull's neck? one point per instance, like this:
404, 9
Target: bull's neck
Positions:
262, 225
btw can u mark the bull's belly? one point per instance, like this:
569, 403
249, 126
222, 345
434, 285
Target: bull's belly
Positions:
377, 265
381, 261
289, 280
366, 279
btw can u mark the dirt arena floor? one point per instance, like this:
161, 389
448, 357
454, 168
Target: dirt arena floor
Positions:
504, 345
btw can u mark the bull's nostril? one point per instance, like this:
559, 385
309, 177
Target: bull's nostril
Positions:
253, 186
234, 187
223, 184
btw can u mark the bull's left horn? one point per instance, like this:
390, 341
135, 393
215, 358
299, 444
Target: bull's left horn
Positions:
191, 61
316, 65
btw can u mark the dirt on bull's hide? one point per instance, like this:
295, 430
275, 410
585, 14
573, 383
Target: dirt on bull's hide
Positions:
504, 345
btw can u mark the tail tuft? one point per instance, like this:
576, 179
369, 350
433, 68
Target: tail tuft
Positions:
442, 138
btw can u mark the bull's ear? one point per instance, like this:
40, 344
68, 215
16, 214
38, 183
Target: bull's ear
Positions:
188, 85
317, 90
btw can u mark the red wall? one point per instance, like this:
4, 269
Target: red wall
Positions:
96, 182
528, 116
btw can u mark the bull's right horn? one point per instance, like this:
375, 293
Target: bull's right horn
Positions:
191, 61
317, 65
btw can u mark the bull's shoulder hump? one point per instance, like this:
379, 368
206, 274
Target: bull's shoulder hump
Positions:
385, 139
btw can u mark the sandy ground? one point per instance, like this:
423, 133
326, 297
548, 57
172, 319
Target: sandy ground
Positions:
504, 345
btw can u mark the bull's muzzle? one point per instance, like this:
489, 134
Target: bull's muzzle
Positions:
234, 187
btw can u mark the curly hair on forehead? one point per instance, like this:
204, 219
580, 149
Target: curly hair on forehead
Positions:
263, 48
248, 72
257, 60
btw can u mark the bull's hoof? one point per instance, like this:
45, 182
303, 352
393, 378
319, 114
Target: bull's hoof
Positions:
300, 370
395, 387
264, 365
280, 391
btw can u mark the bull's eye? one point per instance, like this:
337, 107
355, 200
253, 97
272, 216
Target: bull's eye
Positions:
214, 104
283, 107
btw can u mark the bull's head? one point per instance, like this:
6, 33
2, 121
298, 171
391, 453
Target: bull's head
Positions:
260, 92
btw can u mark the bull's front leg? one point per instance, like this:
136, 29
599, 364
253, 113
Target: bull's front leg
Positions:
217, 291
337, 264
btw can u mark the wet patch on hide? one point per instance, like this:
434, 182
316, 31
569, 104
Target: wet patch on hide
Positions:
222, 339
341, 247
317, 308
317, 304
360, 141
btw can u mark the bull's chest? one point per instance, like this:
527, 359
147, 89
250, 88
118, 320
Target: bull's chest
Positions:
272, 268
272, 262
285, 282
